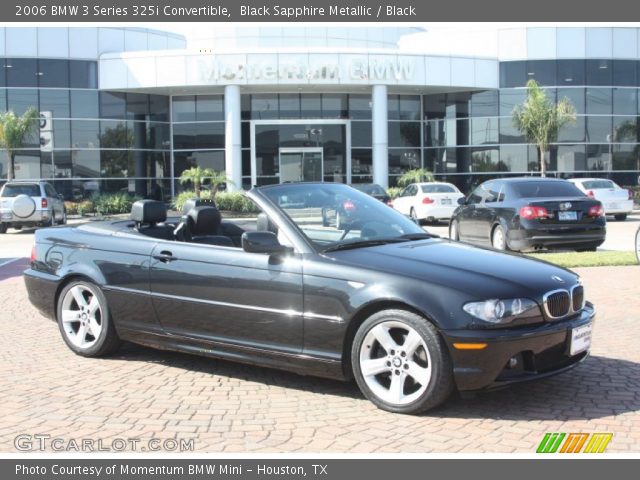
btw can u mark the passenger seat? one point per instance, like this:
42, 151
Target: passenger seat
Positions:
149, 217
202, 226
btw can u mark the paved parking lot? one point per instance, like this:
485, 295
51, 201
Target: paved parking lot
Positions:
227, 407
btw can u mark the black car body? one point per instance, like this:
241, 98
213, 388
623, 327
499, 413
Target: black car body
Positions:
529, 213
299, 295
374, 190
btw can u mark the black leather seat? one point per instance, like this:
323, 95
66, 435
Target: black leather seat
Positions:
197, 202
149, 216
202, 226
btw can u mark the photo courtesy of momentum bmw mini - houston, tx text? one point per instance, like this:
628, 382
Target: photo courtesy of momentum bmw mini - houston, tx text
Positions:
233, 249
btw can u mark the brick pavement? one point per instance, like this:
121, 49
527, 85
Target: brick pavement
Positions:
227, 407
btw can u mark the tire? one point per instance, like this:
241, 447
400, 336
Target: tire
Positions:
589, 249
454, 231
414, 216
63, 221
620, 218
3, 228
73, 313
430, 361
499, 238
638, 245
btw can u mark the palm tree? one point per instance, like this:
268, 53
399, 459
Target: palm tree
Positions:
197, 176
416, 175
15, 132
540, 120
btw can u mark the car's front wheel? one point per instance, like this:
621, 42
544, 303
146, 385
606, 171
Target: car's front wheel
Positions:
400, 362
84, 320
621, 218
3, 228
454, 234
414, 216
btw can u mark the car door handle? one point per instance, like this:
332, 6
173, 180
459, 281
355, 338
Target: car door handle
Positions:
165, 256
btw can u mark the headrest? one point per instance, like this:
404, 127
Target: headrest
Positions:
205, 220
197, 202
148, 211
263, 224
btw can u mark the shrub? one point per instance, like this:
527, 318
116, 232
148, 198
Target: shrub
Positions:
235, 202
113, 203
71, 208
393, 192
79, 208
180, 199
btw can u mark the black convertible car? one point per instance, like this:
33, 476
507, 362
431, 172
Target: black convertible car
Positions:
411, 316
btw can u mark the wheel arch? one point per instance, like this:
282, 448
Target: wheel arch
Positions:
66, 280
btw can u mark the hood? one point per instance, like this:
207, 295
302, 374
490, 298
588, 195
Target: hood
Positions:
481, 273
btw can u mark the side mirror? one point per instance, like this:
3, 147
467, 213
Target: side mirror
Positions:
462, 201
263, 242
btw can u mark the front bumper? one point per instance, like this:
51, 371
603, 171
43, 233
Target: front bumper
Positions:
542, 350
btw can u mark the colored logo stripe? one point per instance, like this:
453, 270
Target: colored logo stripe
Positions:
550, 443
574, 443
598, 442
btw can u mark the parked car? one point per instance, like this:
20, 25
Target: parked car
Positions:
529, 213
374, 190
30, 204
428, 201
617, 201
410, 315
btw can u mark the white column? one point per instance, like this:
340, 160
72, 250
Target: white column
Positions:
380, 135
232, 136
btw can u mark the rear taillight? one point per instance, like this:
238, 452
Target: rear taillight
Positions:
349, 206
596, 211
532, 213
591, 194
630, 192
44, 203
390, 203
33, 253
427, 201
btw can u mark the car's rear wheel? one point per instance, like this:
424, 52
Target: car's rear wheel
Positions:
621, 218
3, 228
414, 215
400, 362
453, 231
63, 220
499, 238
84, 320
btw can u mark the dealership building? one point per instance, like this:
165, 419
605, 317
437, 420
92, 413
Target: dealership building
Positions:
129, 109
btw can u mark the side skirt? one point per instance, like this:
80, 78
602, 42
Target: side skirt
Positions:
298, 363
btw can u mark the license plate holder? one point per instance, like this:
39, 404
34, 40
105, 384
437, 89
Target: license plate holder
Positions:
580, 339
445, 201
568, 216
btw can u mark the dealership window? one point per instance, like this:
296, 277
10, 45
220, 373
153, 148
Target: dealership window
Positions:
625, 129
289, 105
158, 134
515, 157
359, 107
401, 160
625, 157
435, 133
55, 101
264, 106
513, 74
599, 72
403, 107
599, 101
137, 106
625, 101
542, 71
84, 104
599, 129
487, 160
404, 134
509, 99
85, 134
361, 165
115, 134
310, 105
599, 156
28, 165
570, 72
205, 159
3, 99
508, 132
3, 72
334, 106
566, 158
159, 108
83, 74
187, 136
209, 108
86, 163
484, 104
625, 73
484, 131
53, 73
361, 134
184, 108
21, 72
112, 105
435, 106
61, 133
575, 96
573, 132
20, 99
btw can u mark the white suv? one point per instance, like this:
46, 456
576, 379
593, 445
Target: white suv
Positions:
30, 204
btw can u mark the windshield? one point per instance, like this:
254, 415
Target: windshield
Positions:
16, 189
370, 188
595, 184
333, 215
438, 188
546, 189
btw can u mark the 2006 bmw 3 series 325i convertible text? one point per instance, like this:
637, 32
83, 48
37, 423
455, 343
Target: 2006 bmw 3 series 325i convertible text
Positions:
326, 281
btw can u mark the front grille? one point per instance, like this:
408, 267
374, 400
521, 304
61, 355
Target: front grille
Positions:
578, 298
557, 303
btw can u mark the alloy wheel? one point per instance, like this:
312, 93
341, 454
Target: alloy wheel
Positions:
81, 316
498, 240
395, 362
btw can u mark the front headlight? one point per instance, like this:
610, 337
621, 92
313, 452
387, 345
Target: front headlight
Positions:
500, 311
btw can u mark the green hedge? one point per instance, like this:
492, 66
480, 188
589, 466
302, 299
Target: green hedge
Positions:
229, 201
393, 192
113, 203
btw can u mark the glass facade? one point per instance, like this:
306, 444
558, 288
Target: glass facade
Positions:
141, 142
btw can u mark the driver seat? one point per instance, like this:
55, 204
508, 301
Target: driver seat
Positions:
202, 226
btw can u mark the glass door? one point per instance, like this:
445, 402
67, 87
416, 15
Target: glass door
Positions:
300, 165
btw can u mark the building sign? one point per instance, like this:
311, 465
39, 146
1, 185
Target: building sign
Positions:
377, 69
46, 131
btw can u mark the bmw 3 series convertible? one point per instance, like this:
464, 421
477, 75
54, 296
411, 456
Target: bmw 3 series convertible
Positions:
324, 281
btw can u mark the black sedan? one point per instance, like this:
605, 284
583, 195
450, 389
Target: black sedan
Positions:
529, 213
411, 316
